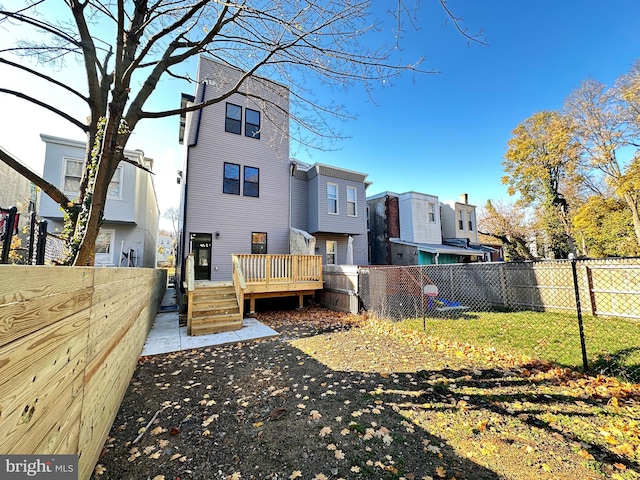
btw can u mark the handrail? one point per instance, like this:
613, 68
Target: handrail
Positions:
239, 283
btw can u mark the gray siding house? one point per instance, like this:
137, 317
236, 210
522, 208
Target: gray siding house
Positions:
242, 194
130, 227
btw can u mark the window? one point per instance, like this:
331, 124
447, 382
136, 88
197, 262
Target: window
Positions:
332, 252
432, 212
104, 246
352, 196
233, 120
258, 243
469, 221
251, 182
72, 175
73, 170
114, 191
332, 198
461, 220
252, 123
231, 183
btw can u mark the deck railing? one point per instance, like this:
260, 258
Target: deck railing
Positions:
239, 284
272, 269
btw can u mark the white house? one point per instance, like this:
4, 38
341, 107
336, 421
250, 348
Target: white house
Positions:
130, 227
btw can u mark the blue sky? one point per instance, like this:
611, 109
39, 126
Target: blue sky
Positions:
446, 133
442, 134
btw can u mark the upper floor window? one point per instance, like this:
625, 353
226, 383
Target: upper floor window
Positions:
332, 198
352, 201
251, 186
231, 183
233, 120
252, 123
73, 170
460, 220
432, 212
469, 221
332, 251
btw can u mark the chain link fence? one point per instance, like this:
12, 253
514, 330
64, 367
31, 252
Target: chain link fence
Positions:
581, 314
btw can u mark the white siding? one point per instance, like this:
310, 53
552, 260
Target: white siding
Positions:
415, 223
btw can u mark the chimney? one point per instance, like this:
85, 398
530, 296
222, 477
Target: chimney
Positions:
464, 198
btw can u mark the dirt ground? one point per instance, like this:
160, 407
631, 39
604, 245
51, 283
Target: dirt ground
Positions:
339, 396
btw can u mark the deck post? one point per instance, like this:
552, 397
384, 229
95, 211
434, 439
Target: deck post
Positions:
300, 300
252, 304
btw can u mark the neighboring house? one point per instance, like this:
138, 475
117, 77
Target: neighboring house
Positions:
165, 249
17, 191
329, 203
130, 227
410, 229
241, 193
459, 225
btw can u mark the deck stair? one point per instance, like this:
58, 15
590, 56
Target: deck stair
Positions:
213, 309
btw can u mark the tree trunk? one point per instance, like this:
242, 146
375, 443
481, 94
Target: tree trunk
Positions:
632, 201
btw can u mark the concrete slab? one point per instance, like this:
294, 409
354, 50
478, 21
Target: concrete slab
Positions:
167, 336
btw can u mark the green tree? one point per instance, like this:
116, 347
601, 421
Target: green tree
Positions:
604, 125
540, 165
605, 227
128, 47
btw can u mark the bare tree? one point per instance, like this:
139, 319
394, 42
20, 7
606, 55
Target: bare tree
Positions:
510, 224
284, 40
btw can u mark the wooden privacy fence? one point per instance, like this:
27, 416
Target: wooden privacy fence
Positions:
70, 338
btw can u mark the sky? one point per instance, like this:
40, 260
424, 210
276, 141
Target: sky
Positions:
442, 133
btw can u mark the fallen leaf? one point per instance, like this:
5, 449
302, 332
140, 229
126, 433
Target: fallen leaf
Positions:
99, 470
441, 472
157, 430
295, 474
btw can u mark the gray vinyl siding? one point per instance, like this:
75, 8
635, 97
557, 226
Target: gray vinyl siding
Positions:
359, 247
320, 220
299, 202
235, 217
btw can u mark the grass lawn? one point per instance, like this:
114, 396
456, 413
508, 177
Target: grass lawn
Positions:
613, 345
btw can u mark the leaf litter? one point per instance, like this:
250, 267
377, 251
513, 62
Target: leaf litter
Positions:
383, 402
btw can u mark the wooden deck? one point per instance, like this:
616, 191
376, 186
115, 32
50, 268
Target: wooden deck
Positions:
254, 276
278, 276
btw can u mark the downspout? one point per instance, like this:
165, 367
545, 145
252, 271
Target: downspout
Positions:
183, 241
436, 257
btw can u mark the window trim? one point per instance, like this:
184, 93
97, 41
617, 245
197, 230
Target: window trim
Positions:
244, 182
247, 131
228, 119
334, 243
354, 201
337, 212
64, 175
461, 220
106, 258
469, 221
225, 178
119, 173
432, 212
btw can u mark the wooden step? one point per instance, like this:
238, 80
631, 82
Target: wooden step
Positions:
209, 311
208, 328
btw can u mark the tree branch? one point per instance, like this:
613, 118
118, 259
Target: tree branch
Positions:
51, 190
44, 77
35, 101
